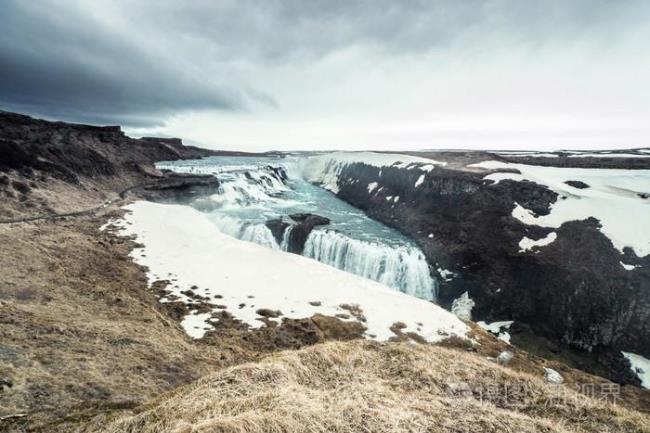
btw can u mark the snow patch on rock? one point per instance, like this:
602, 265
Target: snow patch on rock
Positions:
614, 198
526, 244
372, 186
495, 328
628, 267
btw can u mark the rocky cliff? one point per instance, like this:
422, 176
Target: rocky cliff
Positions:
573, 293
39, 159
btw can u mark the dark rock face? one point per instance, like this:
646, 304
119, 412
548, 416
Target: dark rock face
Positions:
597, 160
277, 227
279, 173
70, 151
573, 291
180, 188
300, 232
577, 184
303, 224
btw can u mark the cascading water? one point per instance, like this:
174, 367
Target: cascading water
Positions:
401, 267
255, 190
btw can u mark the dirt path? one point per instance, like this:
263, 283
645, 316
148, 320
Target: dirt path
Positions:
121, 196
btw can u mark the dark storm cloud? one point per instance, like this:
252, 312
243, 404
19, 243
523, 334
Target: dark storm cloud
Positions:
65, 59
64, 64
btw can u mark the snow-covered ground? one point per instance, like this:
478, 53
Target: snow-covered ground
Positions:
324, 170
614, 196
181, 244
640, 366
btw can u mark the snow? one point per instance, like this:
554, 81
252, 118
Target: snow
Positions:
325, 169
181, 244
462, 306
553, 376
429, 167
396, 199
640, 366
526, 244
628, 267
419, 181
505, 357
430, 236
389, 198
495, 328
524, 215
196, 324
372, 186
612, 198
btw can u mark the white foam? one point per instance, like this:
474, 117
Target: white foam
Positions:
640, 366
462, 306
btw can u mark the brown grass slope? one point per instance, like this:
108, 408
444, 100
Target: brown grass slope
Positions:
77, 323
362, 386
80, 331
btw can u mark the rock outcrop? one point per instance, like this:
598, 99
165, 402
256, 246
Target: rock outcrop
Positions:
300, 224
90, 160
67, 151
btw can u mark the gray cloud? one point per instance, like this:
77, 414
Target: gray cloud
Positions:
139, 62
66, 64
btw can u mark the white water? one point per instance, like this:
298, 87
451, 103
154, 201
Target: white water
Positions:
251, 193
401, 267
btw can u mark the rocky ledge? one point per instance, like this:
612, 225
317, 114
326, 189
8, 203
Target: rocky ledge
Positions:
300, 225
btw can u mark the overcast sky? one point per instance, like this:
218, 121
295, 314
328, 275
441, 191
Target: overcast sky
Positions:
260, 75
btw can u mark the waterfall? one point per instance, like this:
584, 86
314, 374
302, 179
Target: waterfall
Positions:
403, 268
250, 187
250, 195
245, 231
284, 245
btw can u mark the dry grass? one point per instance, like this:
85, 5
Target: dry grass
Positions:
77, 323
366, 387
81, 333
